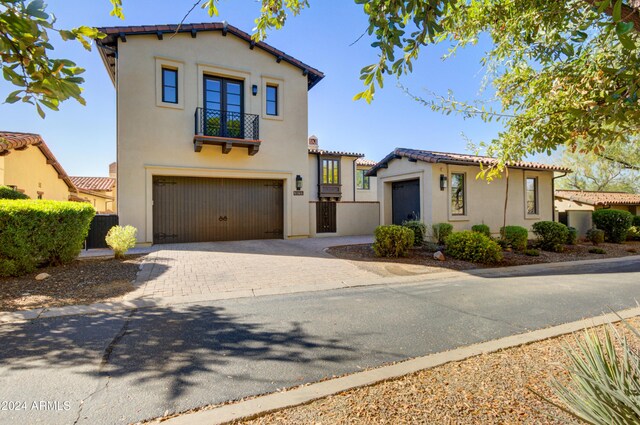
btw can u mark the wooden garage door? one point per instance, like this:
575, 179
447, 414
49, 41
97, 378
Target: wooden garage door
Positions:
195, 209
405, 201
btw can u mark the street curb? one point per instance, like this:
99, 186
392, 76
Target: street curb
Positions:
136, 303
262, 405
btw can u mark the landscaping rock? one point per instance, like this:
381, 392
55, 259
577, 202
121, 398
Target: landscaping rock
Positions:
438, 255
43, 276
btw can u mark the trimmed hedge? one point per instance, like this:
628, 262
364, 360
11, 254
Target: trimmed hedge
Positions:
552, 236
481, 228
441, 231
392, 241
473, 246
615, 224
595, 236
419, 231
636, 221
515, 236
34, 233
633, 234
572, 236
7, 193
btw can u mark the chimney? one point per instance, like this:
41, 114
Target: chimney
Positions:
113, 170
313, 143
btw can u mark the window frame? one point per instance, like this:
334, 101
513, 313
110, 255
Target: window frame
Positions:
366, 182
536, 195
335, 169
464, 195
275, 101
161, 64
164, 85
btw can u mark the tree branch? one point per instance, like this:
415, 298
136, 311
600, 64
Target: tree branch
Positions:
630, 13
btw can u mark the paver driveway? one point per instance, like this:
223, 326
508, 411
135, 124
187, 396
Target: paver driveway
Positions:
246, 268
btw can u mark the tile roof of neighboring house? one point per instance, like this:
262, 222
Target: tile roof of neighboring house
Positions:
335, 153
600, 198
13, 140
365, 162
457, 158
110, 42
98, 194
94, 183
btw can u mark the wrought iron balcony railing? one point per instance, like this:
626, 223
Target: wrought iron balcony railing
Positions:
235, 125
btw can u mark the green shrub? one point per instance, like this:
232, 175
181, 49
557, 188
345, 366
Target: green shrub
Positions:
481, 228
572, 236
419, 231
636, 221
7, 193
34, 233
551, 235
392, 241
532, 252
473, 246
515, 237
615, 224
597, 251
634, 233
603, 383
595, 236
121, 239
441, 231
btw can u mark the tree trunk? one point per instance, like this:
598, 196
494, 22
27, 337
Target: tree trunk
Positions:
630, 11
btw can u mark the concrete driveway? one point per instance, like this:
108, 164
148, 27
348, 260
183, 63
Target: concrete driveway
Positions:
246, 268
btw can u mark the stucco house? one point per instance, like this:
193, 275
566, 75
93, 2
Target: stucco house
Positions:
28, 165
212, 140
99, 191
438, 187
574, 207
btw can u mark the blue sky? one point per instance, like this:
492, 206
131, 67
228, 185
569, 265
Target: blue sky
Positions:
83, 137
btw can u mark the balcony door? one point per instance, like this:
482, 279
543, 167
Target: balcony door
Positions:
223, 107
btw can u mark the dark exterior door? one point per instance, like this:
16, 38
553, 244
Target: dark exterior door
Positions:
325, 217
195, 209
223, 107
405, 200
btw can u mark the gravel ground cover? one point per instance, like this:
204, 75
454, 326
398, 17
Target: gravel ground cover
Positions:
488, 389
363, 256
79, 282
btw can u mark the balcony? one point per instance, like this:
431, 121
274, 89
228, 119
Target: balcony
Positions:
226, 129
329, 191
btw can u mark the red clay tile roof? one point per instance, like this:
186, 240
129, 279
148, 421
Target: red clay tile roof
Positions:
335, 153
114, 34
365, 162
600, 198
458, 158
94, 183
10, 140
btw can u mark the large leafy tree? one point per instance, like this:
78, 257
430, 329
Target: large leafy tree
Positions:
558, 72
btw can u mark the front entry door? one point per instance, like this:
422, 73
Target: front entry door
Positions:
405, 201
224, 107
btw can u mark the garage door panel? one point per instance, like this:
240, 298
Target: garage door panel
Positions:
192, 209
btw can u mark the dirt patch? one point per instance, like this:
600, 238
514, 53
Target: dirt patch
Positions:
487, 389
79, 282
421, 261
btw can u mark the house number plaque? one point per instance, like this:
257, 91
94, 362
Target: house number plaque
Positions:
298, 193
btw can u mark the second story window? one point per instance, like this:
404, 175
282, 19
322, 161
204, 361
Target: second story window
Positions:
362, 181
272, 100
330, 171
458, 205
532, 195
169, 85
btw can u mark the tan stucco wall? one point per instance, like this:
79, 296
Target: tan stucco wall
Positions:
372, 193
484, 201
102, 205
352, 219
562, 205
158, 140
29, 171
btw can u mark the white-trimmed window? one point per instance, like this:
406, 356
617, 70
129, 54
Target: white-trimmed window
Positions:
458, 194
169, 83
531, 196
272, 98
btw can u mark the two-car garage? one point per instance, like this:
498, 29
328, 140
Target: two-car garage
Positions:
200, 209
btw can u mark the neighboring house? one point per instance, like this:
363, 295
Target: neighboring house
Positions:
335, 206
99, 191
27, 165
437, 187
366, 186
211, 134
574, 207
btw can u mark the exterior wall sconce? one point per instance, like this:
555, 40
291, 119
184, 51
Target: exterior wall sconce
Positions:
443, 182
254, 89
298, 182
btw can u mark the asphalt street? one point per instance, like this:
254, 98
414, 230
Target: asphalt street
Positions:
122, 368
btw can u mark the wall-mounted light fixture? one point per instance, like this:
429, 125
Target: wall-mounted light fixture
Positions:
298, 182
443, 182
254, 89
